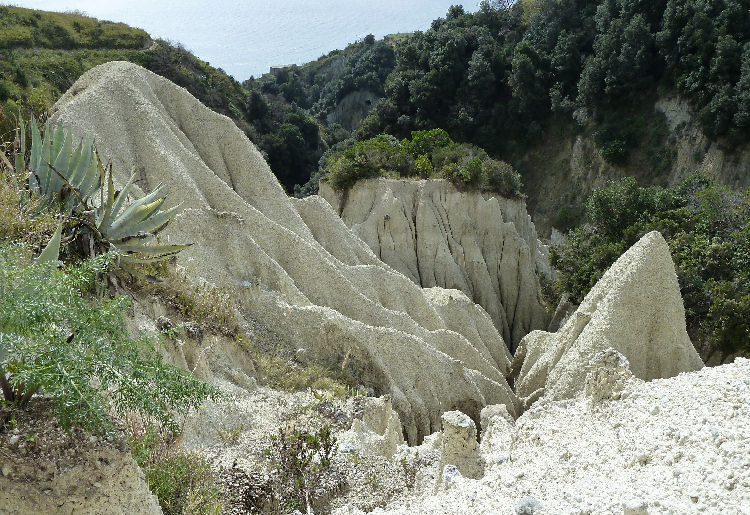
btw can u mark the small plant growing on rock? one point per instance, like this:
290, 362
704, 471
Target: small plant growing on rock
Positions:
183, 482
301, 458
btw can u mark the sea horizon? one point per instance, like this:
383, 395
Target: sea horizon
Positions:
247, 39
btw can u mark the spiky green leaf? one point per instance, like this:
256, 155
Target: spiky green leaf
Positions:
51, 252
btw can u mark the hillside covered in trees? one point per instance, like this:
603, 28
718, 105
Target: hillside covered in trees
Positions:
545, 99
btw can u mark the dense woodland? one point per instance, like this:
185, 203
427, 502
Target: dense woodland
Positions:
494, 82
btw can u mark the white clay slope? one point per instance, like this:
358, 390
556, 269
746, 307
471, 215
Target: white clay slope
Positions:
292, 264
677, 445
436, 235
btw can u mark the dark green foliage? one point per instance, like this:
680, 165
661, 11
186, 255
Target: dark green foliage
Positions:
704, 45
428, 154
707, 228
59, 339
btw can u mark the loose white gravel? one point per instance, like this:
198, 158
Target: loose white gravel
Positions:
678, 445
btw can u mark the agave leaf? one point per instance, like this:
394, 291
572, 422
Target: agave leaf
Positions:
51, 252
36, 145
81, 165
58, 158
151, 225
93, 179
42, 169
77, 194
153, 250
122, 195
108, 203
58, 139
139, 214
133, 259
74, 162
135, 206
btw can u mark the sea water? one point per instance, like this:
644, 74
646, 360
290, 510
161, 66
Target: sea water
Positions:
248, 37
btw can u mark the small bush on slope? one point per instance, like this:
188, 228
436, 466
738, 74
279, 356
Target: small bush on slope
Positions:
182, 482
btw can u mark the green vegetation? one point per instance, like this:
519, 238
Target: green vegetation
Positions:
59, 339
428, 154
508, 70
64, 180
708, 230
301, 459
183, 482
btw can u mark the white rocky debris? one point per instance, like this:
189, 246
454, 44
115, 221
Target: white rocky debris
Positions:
676, 445
635, 309
436, 235
292, 264
377, 433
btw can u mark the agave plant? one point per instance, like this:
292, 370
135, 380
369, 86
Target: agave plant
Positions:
68, 179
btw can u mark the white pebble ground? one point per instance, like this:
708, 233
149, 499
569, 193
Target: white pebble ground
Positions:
678, 445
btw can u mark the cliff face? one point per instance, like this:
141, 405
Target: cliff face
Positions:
485, 246
562, 170
291, 264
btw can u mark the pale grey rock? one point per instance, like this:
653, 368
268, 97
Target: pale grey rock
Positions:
436, 235
498, 428
292, 265
377, 433
575, 457
608, 374
459, 445
635, 507
490, 412
635, 309
528, 506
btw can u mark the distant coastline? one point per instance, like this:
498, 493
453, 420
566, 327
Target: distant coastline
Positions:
247, 39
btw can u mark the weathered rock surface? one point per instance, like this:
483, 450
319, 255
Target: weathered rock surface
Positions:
436, 235
292, 264
676, 445
460, 447
377, 433
46, 469
635, 309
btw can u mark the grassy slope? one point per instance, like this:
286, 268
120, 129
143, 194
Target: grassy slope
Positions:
43, 53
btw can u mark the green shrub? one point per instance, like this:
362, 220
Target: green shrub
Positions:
500, 177
426, 142
58, 339
423, 167
183, 482
377, 157
301, 459
707, 228
429, 154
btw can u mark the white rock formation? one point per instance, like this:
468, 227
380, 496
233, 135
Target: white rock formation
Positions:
377, 433
292, 264
635, 309
677, 445
459, 445
436, 235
